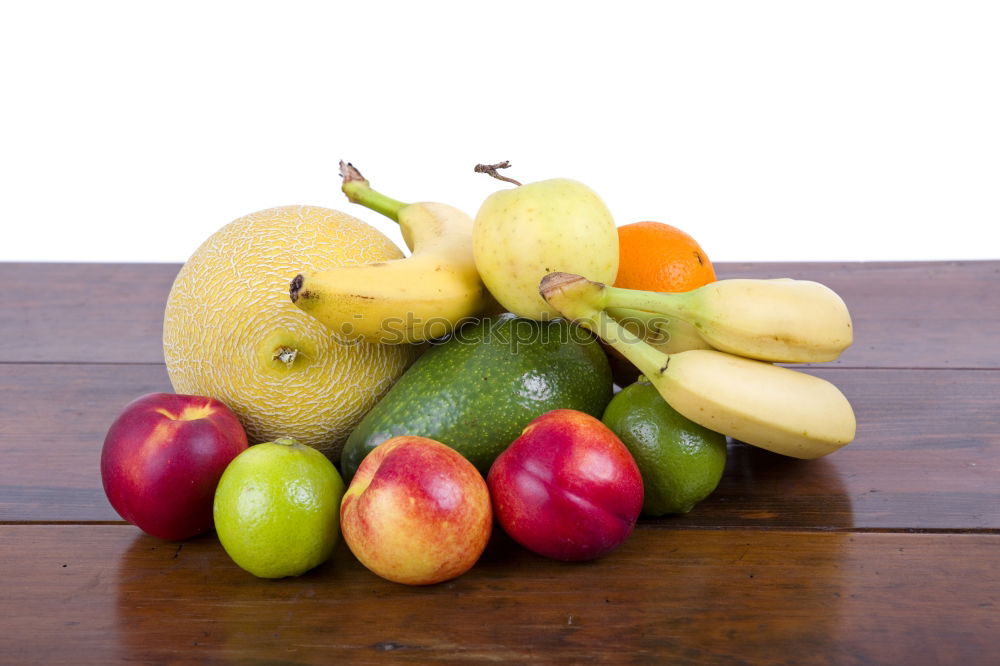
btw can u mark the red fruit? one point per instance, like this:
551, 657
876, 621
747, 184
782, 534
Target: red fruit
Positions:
162, 459
416, 512
567, 488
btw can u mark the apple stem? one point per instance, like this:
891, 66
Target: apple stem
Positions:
359, 191
491, 169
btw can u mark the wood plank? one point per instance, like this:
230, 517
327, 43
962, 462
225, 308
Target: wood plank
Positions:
83, 313
103, 594
53, 419
906, 314
927, 455
942, 314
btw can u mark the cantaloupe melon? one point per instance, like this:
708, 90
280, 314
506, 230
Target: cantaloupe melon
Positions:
231, 332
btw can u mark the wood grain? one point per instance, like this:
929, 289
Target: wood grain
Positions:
83, 313
906, 314
884, 552
104, 594
53, 419
927, 454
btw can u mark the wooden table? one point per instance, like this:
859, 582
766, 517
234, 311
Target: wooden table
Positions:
887, 551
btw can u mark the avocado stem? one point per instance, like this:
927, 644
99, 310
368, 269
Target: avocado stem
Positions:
359, 191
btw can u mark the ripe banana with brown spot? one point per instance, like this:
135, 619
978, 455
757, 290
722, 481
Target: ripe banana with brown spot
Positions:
418, 298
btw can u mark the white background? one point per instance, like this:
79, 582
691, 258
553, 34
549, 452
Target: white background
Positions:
130, 131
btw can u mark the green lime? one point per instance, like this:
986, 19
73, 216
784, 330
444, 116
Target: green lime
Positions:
277, 508
680, 461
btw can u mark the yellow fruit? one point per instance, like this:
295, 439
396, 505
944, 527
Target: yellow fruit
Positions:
231, 332
520, 235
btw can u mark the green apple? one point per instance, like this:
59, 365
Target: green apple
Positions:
522, 234
277, 508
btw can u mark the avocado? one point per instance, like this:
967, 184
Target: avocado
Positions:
476, 390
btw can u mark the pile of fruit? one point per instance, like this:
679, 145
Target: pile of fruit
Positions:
328, 385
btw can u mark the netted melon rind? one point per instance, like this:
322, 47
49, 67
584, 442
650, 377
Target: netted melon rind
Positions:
233, 292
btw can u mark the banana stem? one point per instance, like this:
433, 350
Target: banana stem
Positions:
358, 191
648, 360
652, 323
579, 300
657, 303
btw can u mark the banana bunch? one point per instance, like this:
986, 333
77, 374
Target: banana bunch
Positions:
410, 300
720, 373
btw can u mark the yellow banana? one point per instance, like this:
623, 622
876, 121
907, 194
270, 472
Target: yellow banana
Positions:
775, 408
418, 298
793, 321
780, 320
666, 334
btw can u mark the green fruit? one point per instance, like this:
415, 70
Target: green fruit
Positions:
277, 508
522, 234
476, 391
680, 461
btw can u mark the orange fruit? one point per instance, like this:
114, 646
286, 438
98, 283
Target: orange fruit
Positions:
654, 256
